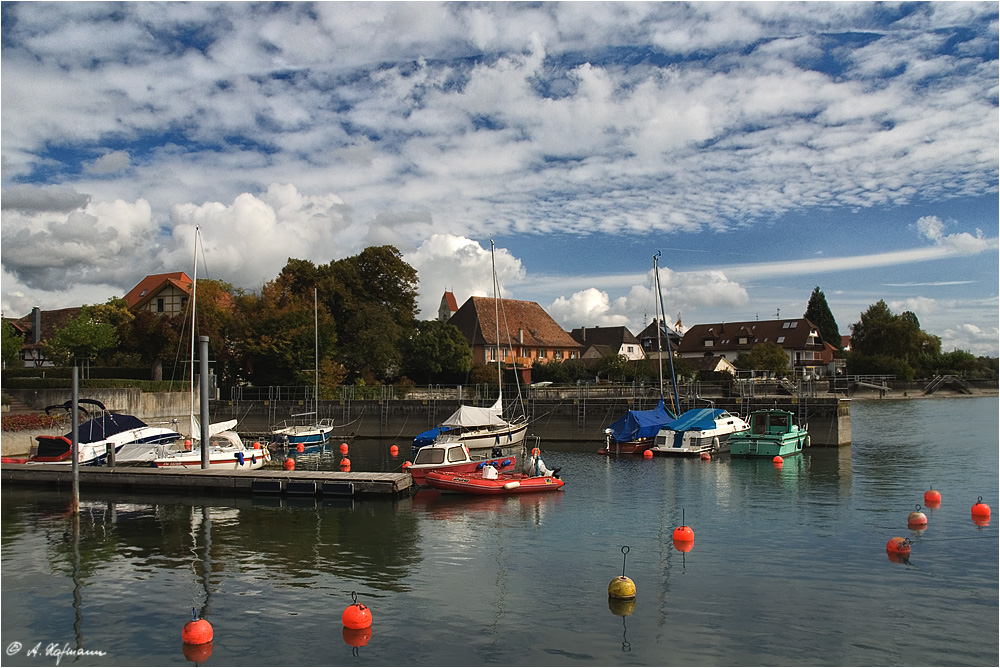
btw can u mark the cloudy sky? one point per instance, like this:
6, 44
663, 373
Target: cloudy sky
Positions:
761, 149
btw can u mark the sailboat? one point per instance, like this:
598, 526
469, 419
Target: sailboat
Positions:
226, 449
635, 432
484, 431
307, 432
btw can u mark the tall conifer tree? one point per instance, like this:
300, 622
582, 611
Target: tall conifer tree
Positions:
818, 312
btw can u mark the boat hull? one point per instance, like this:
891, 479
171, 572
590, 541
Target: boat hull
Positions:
223, 461
482, 441
502, 485
419, 471
767, 446
613, 447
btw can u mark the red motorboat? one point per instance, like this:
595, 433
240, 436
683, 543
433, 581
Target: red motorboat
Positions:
453, 458
492, 483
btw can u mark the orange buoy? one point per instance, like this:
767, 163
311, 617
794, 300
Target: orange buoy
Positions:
683, 533
187, 444
345, 464
916, 519
357, 637
406, 464
197, 631
356, 615
931, 497
197, 653
535, 452
898, 545
683, 545
256, 445
980, 510
301, 447
289, 464
648, 454
343, 448
706, 457
778, 461
393, 450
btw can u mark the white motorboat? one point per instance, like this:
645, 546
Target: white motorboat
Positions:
132, 439
699, 430
227, 451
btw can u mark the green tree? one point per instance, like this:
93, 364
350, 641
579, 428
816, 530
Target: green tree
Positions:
82, 337
435, 347
764, 357
818, 312
156, 337
614, 368
12, 343
881, 335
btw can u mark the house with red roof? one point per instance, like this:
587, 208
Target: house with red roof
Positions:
526, 333
161, 293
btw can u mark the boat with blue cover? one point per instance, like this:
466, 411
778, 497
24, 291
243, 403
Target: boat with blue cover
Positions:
635, 431
771, 433
697, 431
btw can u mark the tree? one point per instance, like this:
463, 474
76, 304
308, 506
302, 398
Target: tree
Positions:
880, 335
764, 357
82, 337
155, 337
613, 368
12, 343
818, 313
435, 347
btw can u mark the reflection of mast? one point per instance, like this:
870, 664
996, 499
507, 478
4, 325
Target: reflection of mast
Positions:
206, 560
77, 584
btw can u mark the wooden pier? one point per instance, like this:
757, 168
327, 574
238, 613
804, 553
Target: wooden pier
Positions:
267, 482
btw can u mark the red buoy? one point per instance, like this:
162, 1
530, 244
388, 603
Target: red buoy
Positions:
187, 444
683, 533
898, 545
301, 447
648, 454
406, 464
778, 461
357, 637
683, 545
356, 615
706, 457
980, 510
393, 450
932, 498
343, 448
345, 464
289, 464
197, 653
197, 631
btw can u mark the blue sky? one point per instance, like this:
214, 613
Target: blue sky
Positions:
762, 148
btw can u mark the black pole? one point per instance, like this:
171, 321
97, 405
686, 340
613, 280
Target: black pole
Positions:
75, 450
203, 396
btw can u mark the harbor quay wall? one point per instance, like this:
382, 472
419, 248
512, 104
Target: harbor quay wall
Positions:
559, 419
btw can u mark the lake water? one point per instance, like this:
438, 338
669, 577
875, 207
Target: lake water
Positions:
788, 567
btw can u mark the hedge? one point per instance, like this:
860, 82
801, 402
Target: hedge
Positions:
96, 383
93, 372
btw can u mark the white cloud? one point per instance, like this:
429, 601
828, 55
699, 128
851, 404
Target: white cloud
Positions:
110, 163
962, 243
972, 338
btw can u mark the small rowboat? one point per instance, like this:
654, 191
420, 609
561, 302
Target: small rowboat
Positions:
478, 483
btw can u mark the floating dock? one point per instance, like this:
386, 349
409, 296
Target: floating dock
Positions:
272, 482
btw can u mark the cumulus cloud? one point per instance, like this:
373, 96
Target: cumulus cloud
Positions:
977, 340
30, 198
110, 163
932, 228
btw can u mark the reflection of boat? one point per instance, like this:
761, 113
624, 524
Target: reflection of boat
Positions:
133, 439
485, 483
453, 458
699, 430
771, 433
226, 451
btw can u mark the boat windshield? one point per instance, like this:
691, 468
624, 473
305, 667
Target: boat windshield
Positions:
429, 456
456, 454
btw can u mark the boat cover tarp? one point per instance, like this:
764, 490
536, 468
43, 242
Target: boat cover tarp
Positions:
105, 426
428, 437
696, 419
475, 416
641, 424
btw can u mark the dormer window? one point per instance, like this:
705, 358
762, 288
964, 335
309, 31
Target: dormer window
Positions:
708, 343
744, 340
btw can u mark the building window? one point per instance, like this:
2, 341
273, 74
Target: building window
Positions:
558, 354
542, 354
491, 353
159, 304
744, 340
709, 343
572, 354
781, 339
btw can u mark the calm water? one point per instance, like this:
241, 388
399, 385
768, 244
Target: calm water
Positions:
788, 567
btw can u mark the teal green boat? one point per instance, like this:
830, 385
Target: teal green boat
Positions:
771, 433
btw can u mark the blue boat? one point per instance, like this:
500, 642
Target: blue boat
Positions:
635, 431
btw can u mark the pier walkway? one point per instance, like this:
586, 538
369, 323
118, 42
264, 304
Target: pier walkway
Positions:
261, 481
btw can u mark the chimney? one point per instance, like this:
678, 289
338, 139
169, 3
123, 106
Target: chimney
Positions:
583, 334
520, 336
36, 325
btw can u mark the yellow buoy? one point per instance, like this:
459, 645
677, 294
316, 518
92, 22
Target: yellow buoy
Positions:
621, 588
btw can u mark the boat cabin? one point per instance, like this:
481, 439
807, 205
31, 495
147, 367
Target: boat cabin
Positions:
453, 454
777, 422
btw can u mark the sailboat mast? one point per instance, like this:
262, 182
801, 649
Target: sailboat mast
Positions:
194, 305
316, 336
496, 309
675, 398
656, 310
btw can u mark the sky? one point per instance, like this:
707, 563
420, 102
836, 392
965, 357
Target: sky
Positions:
758, 150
